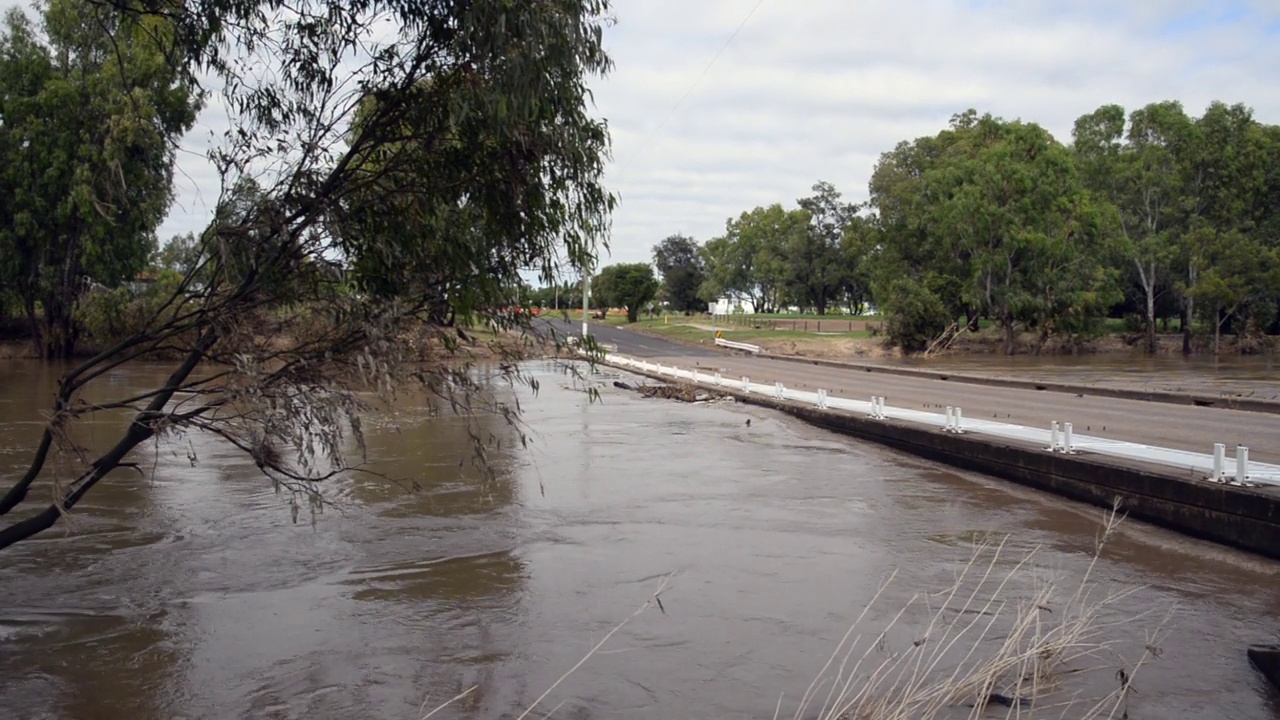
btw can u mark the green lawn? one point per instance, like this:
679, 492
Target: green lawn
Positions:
738, 327
676, 329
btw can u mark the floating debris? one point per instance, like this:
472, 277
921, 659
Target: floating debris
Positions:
683, 393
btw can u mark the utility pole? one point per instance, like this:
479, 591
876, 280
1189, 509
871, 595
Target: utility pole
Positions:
586, 291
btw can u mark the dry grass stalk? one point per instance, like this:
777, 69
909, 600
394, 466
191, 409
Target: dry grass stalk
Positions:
986, 644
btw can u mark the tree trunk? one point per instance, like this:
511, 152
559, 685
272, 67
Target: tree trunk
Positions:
57, 340
972, 317
1186, 327
37, 337
1010, 339
1151, 320
1148, 277
1217, 330
1188, 305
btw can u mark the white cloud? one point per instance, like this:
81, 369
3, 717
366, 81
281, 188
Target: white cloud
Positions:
817, 89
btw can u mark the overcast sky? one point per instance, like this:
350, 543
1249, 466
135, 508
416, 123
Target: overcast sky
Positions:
817, 89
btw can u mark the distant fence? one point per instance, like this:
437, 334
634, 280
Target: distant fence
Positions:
832, 324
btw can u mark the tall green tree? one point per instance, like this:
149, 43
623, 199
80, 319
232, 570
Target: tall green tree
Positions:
910, 260
92, 112
682, 265
749, 261
1143, 172
1225, 202
816, 271
1228, 245
181, 253
630, 286
857, 253
991, 215
1010, 200
1239, 270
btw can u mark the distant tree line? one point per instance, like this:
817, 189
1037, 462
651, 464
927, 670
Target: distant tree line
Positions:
1151, 216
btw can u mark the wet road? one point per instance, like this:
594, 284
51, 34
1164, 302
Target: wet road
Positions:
1179, 426
190, 594
629, 342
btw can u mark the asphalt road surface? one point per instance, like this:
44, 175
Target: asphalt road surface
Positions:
1185, 427
631, 343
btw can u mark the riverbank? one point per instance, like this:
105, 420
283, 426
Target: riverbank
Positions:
1241, 517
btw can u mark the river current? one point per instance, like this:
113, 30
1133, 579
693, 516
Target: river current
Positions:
188, 592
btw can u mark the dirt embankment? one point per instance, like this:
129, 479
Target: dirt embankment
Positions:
829, 348
990, 342
16, 350
986, 342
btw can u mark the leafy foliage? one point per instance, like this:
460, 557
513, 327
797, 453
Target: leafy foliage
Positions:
445, 144
816, 272
1010, 208
683, 269
916, 313
748, 260
1149, 214
108, 315
631, 286
92, 108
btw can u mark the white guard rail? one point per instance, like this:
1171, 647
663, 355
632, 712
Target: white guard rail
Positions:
737, 345
1059, 438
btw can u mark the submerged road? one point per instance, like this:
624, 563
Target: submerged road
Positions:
631, 343
1184, 427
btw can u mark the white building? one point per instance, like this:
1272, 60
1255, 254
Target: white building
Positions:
728, 305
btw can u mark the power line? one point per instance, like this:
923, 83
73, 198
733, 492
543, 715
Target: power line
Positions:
691, 88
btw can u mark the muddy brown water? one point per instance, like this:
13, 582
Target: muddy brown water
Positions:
190, 594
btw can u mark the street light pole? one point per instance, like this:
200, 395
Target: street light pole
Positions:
586, 290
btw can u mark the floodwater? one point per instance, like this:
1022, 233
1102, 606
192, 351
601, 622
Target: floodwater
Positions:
189, 593
1256, 376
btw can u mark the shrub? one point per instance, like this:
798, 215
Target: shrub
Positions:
108, 316
915, 314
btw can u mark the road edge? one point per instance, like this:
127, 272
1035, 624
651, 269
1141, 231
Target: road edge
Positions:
1158, 396
1243, 518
